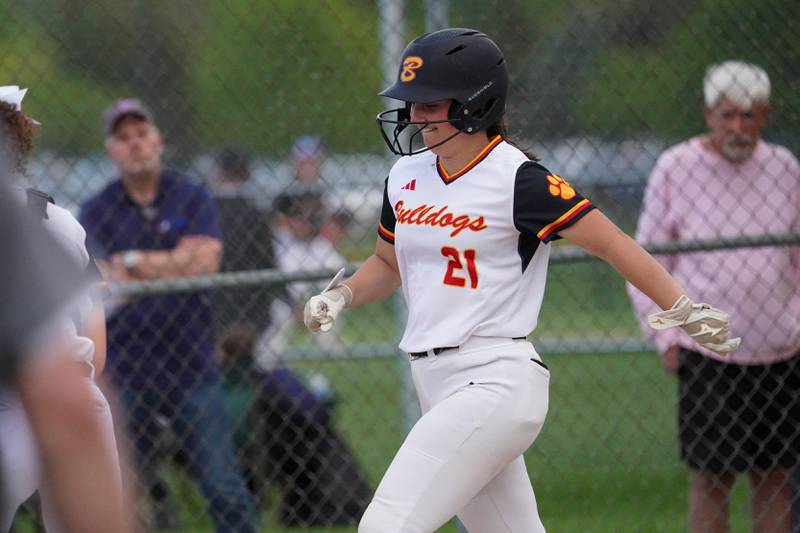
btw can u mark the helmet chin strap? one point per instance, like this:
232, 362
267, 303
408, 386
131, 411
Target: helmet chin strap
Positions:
419, 131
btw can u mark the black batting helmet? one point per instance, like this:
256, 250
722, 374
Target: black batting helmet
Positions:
457, 64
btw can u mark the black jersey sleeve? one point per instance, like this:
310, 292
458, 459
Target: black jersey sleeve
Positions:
544, 203
388, 220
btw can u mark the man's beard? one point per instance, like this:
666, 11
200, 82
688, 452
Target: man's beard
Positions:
142, 168
738, 148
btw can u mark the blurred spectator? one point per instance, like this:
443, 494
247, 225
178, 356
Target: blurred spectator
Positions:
42, 358
307, 156
285, 434
154, 223
283, 431
335, 226
299, 247
739, 413
247, 245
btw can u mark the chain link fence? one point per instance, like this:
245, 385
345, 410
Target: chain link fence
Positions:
233, 409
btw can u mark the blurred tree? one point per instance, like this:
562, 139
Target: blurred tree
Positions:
266, 73
143, 49
63, 99
657, 90
517, 30
261, 72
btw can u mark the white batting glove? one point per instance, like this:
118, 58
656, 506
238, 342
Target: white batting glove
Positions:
709, 326
321, 310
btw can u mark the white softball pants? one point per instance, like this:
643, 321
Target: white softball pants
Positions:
20, 466
483, 405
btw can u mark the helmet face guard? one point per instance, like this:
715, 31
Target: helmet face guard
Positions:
457, 64
397, 120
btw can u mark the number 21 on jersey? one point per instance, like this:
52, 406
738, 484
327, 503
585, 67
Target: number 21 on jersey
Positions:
455, 267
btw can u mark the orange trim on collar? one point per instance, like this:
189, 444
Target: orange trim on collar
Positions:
449, 178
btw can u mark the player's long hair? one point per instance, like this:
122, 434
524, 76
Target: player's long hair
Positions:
18, 131
501, 128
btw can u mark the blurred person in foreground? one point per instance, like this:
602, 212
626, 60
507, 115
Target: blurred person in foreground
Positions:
247, 245
154, 223
62, 444
739, 413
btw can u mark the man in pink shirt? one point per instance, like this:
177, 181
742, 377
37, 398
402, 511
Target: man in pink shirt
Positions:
741, 412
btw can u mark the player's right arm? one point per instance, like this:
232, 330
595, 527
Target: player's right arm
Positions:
374, 280
377, 277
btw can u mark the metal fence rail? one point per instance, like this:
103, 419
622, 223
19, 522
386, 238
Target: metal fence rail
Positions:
269, 277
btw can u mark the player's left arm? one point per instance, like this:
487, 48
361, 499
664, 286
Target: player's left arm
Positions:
709, 326
596, 234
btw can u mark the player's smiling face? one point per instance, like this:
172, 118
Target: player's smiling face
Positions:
433, 134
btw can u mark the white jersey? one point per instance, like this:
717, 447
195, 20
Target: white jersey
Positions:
472, 247
70, 234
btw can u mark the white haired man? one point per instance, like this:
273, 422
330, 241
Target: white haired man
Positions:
737, 413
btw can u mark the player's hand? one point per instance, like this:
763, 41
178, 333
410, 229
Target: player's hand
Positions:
709, 326
321, 310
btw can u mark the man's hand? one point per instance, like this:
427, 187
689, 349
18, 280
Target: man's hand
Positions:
114, 269
709, 326
321, 311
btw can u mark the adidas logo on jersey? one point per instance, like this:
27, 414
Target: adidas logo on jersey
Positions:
410, 186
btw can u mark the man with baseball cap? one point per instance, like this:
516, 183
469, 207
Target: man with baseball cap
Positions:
155, 223
121, 108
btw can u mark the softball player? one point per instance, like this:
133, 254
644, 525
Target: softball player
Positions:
465, 230
82, 325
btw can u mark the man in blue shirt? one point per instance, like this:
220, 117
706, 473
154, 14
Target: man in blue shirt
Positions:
154, 223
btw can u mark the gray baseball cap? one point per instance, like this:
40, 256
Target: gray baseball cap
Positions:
121, 108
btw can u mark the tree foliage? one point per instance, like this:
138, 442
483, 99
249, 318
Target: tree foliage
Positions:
259, 72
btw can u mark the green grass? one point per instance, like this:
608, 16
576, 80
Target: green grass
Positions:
607, 459
585, 299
